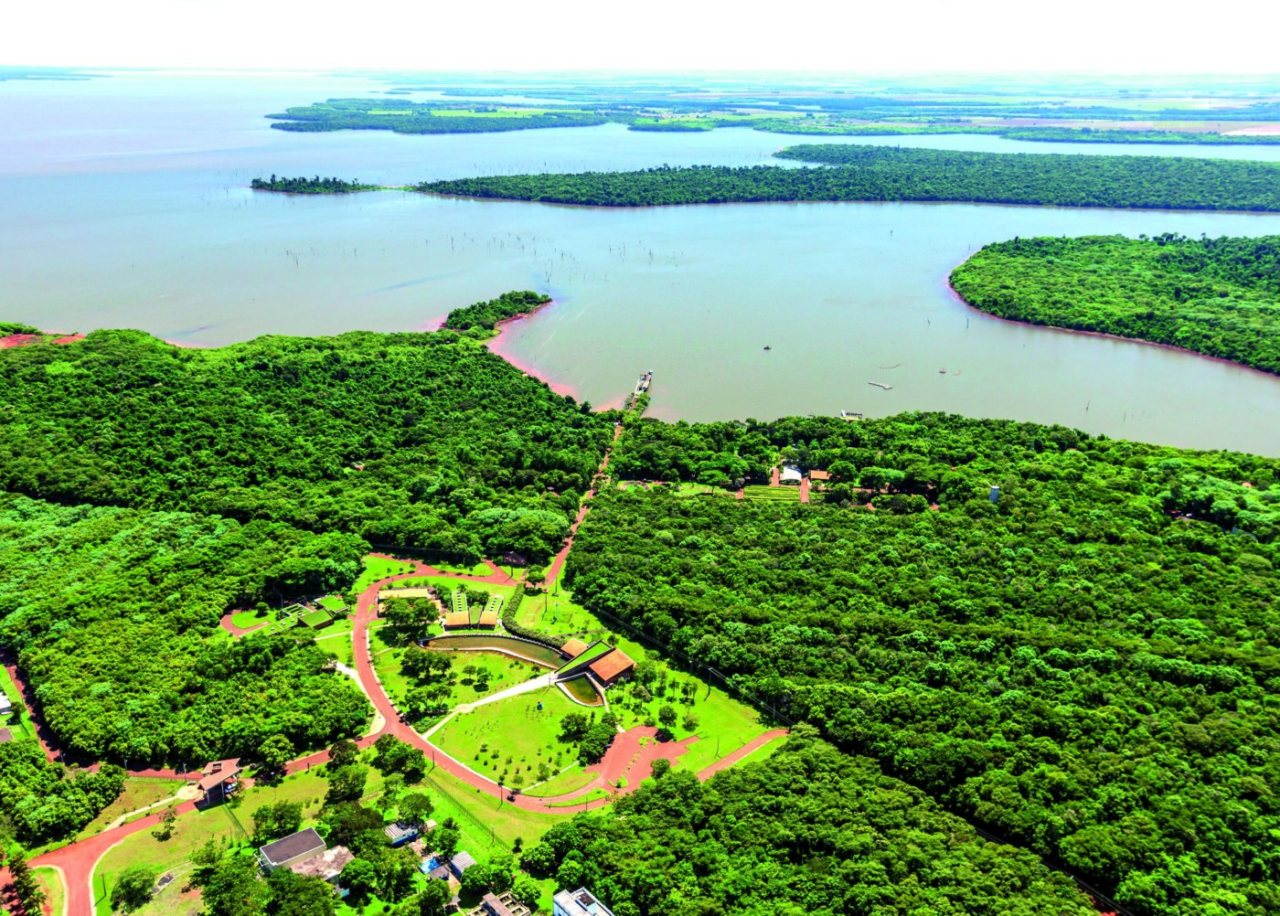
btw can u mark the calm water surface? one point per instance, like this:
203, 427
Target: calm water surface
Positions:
124, 203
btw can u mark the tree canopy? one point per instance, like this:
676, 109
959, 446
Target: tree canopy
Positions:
114, 613
418, 440
1086, 666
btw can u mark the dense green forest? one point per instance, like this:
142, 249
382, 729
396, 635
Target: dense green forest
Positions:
1096, 135
484, 316
811, 832
405, 117
1087, 666
424, 440
316, 185
1220, 297
881, 173
113, 614
41, 801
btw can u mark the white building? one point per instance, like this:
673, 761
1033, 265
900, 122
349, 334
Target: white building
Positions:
578, 903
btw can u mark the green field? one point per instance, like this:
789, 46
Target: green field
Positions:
511, 739
376, 568
338, 644
773, 494
139, 792
570, 780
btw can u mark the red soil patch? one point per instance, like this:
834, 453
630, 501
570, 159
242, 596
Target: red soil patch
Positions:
19, 340
68, 338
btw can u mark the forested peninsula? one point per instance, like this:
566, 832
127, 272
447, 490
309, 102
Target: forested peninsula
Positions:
1219, 297
425, 441
820, 127
1086, 665
483, 317
863, 173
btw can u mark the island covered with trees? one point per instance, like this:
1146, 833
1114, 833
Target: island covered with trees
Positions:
303, 185
1219, 297
483, 317
1083, 664
864, 173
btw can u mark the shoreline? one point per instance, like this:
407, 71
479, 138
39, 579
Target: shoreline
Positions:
497, 346
1100, 334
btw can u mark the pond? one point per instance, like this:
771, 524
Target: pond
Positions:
531, 652
583, 691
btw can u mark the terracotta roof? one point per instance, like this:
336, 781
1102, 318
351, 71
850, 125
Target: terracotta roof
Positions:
457, 619
607, 667
819, 475
574, 647
488, 618
217, 772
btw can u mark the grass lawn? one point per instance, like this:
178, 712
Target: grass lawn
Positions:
246, 619
189, 833
53, 890
589, 797
376, 568
724, 724
386, 656
511, 739
475, 569
500, 672
138, 793
339, 645
570, 780
772, 494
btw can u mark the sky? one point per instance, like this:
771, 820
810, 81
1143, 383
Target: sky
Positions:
906, 36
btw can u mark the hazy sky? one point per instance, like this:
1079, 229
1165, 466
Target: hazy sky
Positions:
1113, 36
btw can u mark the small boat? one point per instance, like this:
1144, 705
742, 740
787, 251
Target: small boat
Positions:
767, 347
884, 385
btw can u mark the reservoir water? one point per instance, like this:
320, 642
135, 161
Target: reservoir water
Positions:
125, 204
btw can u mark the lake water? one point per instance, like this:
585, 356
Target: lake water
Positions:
125, 204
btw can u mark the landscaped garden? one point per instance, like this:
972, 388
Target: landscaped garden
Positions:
515, 741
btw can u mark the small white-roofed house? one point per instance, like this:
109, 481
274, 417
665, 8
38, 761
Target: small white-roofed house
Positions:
578, 903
